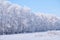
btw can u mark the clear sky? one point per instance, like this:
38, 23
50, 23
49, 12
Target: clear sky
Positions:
43, 6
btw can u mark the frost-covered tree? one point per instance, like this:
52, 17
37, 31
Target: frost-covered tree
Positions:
18, 19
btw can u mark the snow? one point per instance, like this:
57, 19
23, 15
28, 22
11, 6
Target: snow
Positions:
49, 35
20, 23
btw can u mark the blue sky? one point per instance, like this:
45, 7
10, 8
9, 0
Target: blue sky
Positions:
43, 6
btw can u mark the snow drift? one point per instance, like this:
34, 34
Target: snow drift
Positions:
17, 19
50, 35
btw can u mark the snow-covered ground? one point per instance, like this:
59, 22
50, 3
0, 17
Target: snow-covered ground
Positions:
49, 35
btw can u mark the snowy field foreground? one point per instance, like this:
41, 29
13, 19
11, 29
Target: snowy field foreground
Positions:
50, 35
